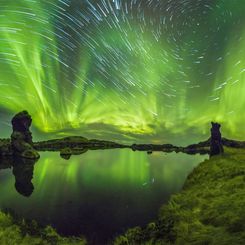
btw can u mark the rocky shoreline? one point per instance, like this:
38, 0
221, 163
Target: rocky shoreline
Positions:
21, 143
77, 144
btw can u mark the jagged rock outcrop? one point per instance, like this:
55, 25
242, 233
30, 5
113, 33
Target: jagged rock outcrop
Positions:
216, 146
21, 138
5, 148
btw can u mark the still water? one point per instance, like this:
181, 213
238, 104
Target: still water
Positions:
98, 194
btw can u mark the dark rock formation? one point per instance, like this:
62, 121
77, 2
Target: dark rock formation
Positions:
216, 146
5, 148
152, 147
66, 153
201, 148
21, 138
233, 143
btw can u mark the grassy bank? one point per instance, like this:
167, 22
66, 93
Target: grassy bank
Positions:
13, 232
209, 210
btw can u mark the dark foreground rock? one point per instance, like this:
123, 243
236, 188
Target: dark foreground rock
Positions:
5, 148
216, 146
21, 137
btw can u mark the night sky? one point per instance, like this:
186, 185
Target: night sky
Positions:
143, 70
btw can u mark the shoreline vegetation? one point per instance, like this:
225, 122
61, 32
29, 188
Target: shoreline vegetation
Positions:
14, 231
208, 210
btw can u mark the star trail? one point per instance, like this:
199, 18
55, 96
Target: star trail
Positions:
135, 67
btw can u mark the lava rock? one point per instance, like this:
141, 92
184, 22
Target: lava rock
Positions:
21, 137
216, 146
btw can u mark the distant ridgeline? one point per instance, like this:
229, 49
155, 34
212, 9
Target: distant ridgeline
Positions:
21, 144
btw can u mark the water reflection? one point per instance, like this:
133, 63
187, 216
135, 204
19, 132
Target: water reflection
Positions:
99, 193
23, 173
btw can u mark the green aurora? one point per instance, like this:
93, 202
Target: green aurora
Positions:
142, 69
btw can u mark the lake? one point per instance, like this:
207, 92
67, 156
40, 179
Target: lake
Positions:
98, 194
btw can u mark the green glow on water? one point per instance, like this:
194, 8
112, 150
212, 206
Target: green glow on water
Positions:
119, 188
